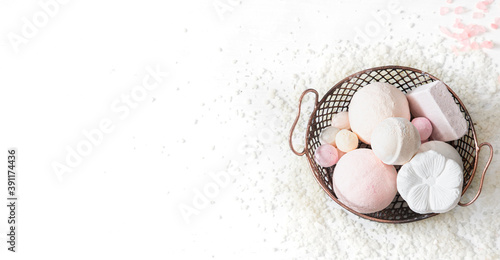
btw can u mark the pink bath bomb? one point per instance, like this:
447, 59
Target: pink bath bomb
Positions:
340, 153
423, 126
363, 183
341, 120
326, 155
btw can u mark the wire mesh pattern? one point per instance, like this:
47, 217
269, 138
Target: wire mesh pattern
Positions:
338, 99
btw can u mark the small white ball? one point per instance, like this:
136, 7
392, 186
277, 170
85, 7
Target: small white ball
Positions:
328, 135
395, 141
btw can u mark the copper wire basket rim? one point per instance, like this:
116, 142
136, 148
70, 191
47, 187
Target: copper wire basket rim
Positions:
338, 85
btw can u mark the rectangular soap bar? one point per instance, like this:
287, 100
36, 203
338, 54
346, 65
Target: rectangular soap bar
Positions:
436, 103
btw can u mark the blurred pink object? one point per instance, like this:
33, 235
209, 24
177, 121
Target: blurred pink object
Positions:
483, 5
445, 30
423, 126
326, 155
444, 10
340, 153
477, 15
459, 10
487, 44
474, 29
463, 36
459, 24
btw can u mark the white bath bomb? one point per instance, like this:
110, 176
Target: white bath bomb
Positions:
363, 183
328, 135
372, 104
341, 120
444, 149
430, 183
395, 140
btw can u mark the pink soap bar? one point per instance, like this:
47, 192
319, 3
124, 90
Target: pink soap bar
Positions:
436, 103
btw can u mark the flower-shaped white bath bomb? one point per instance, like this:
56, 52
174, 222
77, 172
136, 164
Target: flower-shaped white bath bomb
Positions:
444, 149
395, 140
372, 104
430, 183
363, 183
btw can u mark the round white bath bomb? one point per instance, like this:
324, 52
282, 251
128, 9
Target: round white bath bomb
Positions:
395, 140
444, 149
328, 135
363, 183
372, 104
341, 120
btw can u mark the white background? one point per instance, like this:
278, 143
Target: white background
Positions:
123, 199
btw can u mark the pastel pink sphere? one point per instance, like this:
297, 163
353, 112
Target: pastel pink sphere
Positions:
363, 183
326, 155
423, 126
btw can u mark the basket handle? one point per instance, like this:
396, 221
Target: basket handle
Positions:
482, 175
297, 120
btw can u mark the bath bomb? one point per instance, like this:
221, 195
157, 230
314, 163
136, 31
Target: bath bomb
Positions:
436, 103
346, 140
328, 134
372, 104
340, 153
430, 183
423, 126
444, 149
326, 155
395, 140
341, 120
363, 183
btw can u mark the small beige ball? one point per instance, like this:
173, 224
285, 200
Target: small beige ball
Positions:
346, 140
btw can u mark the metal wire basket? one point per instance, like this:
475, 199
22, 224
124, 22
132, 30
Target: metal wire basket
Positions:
337, 99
